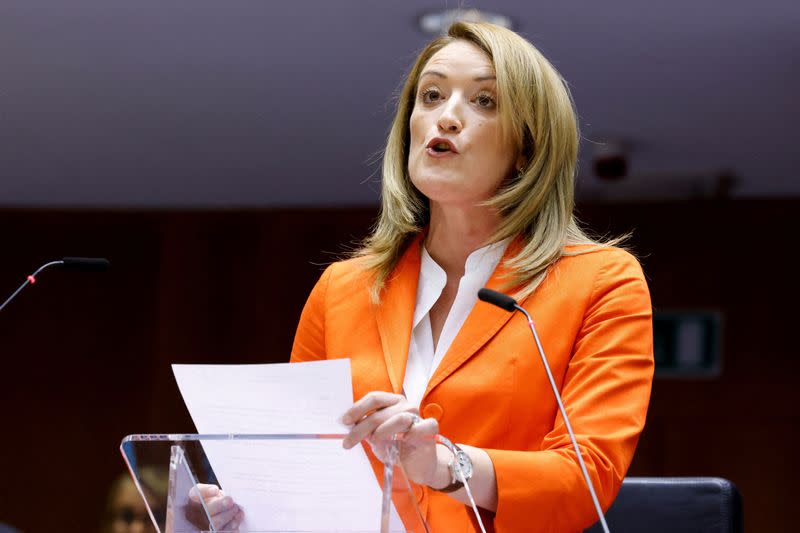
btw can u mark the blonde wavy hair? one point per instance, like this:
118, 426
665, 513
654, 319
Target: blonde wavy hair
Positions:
537, 111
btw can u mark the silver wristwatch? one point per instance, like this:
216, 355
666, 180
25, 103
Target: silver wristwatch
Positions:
465, 463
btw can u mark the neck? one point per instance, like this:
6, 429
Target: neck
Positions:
455, 232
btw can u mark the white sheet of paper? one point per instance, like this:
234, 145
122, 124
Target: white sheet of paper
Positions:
312, 485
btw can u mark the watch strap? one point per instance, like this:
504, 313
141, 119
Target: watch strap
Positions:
452, 487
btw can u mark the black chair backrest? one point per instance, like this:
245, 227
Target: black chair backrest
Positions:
670, 504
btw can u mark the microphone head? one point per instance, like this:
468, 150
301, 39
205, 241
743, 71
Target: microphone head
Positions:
499, 299
86, 264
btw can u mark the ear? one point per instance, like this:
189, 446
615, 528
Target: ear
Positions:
520, 163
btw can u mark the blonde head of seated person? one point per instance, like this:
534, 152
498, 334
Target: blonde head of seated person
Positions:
126, 512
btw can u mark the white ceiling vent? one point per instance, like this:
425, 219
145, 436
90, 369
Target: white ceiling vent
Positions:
437, 22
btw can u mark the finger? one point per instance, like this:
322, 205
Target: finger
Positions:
196, 513
223, 521
218, 505
372, 401
205, 490
365, 428
235, 522
397, 423
423, 431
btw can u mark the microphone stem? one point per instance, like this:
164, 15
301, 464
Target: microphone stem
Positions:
566, 419
28, 280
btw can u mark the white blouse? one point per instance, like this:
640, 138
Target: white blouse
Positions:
422, 358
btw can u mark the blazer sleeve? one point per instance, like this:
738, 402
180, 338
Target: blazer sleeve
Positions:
309, 340
606, 391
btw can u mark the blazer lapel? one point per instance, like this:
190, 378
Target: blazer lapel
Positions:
395, 313
483, 323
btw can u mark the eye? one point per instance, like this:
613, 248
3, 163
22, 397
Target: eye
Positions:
430, 95
485, 100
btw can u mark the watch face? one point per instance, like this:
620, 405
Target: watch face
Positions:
465, 464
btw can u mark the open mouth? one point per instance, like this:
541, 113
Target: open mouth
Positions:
441, 146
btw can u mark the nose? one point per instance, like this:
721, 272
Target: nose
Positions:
450, 119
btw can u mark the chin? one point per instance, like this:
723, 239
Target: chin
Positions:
447, 193
434, 186
451, 188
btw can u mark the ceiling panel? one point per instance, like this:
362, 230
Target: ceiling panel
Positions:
251, 103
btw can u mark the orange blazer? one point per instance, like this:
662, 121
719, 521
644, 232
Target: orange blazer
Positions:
594, 320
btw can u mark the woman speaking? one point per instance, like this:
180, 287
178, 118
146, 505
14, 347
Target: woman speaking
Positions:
478, 190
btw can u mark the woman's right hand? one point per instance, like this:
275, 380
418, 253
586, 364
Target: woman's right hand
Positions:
225, 514
380, 416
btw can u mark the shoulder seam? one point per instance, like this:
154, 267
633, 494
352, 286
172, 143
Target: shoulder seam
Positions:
595, 282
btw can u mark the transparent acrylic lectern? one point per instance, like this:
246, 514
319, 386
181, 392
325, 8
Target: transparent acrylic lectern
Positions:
168, 468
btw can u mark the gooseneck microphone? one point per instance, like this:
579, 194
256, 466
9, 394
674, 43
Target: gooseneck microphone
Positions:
508, 303
85, 264
498, 299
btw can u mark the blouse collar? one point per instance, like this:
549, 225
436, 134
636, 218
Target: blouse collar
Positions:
432, 278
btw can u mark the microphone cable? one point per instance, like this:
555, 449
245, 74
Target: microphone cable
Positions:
508, 303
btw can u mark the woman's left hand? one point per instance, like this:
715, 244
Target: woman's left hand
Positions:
226, 515
379, 416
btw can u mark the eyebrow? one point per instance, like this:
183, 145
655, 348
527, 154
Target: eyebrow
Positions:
443, 76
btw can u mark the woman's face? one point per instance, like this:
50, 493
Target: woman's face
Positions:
457, 155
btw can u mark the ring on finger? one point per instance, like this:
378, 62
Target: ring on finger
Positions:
415, 419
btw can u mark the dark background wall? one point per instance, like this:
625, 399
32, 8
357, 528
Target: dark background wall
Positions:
85, 358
